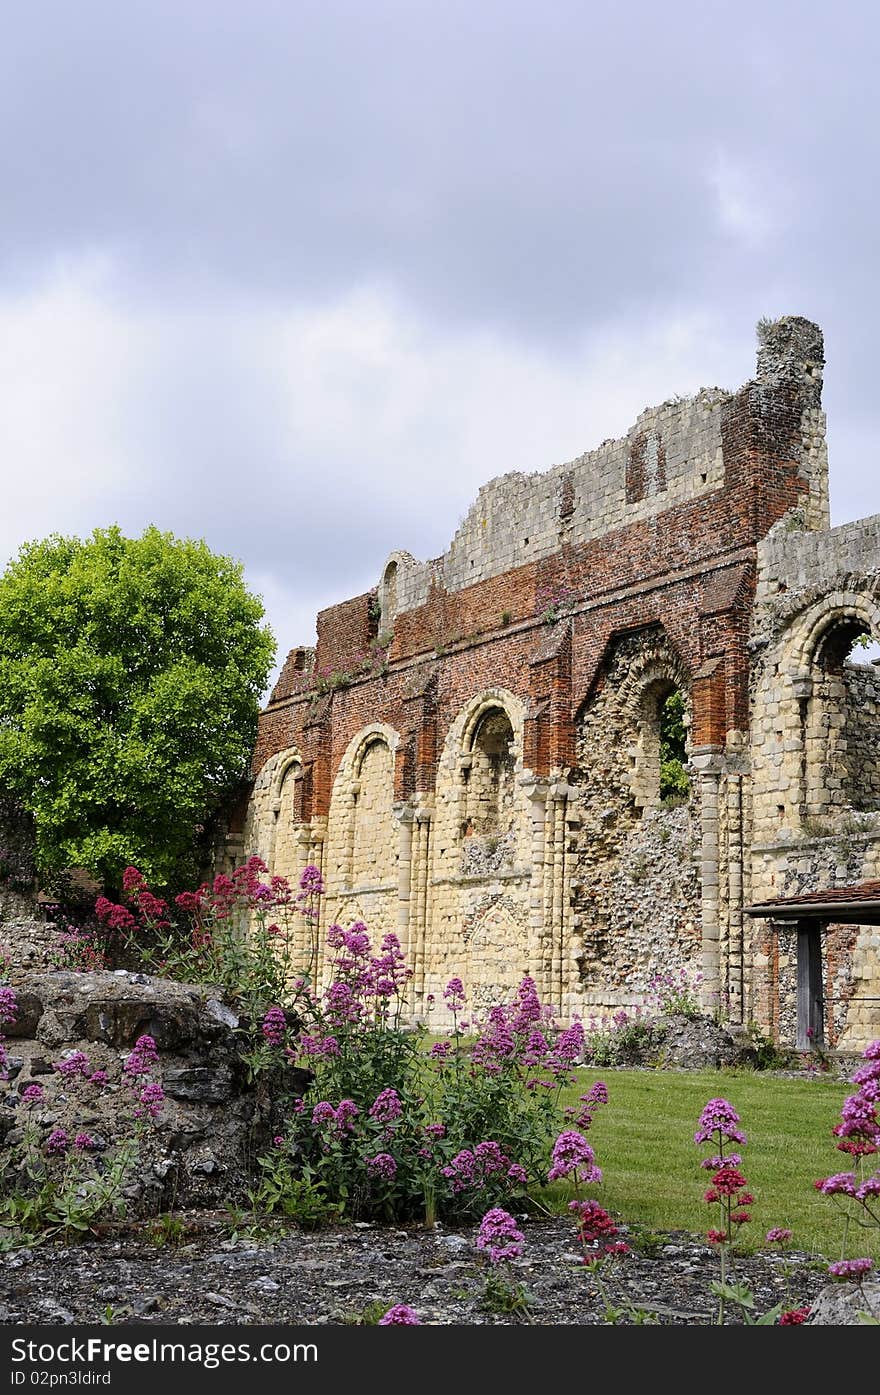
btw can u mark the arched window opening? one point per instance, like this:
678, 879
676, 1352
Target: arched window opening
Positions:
674, 783
841, 729
388, 597
660, 775
488, 775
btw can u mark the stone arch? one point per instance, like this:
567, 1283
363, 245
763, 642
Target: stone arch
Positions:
389, 589
481, 816
274, 820
832, 707
362, 854
287, 808
639, 672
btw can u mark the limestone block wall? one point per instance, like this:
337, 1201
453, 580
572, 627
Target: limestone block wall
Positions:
815, 761
672, 453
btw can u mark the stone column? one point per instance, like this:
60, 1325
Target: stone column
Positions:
556, 856
404, 816
709, 764
421, 855
540, 952
317, 845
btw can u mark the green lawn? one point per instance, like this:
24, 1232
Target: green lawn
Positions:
643, 1140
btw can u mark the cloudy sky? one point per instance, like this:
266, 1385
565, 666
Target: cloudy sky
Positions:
297, 276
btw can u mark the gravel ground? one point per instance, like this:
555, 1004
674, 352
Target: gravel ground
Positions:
212, 1276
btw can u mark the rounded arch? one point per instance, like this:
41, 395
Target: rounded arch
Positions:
823, 738
289, 765
640, 671
464, 726
388, 592
363, 845
840, 616
481, 816
271, 822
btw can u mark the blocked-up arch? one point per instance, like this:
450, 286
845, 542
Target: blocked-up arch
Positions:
275, 815
481, 819
640, 672
363, 847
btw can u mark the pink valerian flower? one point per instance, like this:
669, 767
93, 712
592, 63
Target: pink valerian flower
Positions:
76, 1064
527, 1008
341, 1004
322, 1048
517, 1174
499, 1236
133, 880
573, 1156
143, 1058
115, 917
83, 1142
323, 1113
440, 1050
536, 1049
386, 1107
400, 1316
727, 1181
346, 1113
719, 1116
716, 1237
567, 1050
778, 1235
32, 1094
150, 1102
793, 1317
490, 1158
8, 1005
596, 1229
151, 908
462, 1170
278, 1140
382, 1165
851, 1268
870, 1187
713, 1164
57, 1143
841, 1184
496, 1045
435, 1131
311, 883
453, 995
274, 1026
98, 1078
582, 1115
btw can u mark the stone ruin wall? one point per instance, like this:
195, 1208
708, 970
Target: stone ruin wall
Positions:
815, 758
566, 602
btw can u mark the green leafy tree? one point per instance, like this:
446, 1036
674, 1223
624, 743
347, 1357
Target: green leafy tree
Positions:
131, 671
674, 784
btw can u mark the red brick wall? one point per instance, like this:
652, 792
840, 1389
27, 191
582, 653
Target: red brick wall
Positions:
690, 569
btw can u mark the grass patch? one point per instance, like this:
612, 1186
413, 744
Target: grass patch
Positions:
652, 1178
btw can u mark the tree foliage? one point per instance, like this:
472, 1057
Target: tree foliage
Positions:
674, 783
130, 677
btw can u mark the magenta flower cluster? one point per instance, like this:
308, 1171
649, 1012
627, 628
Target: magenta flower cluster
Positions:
274, 1026
858, 1134
573, 1158
499, 1236
400, 1316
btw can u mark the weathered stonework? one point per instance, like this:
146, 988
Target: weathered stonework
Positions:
471, 754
